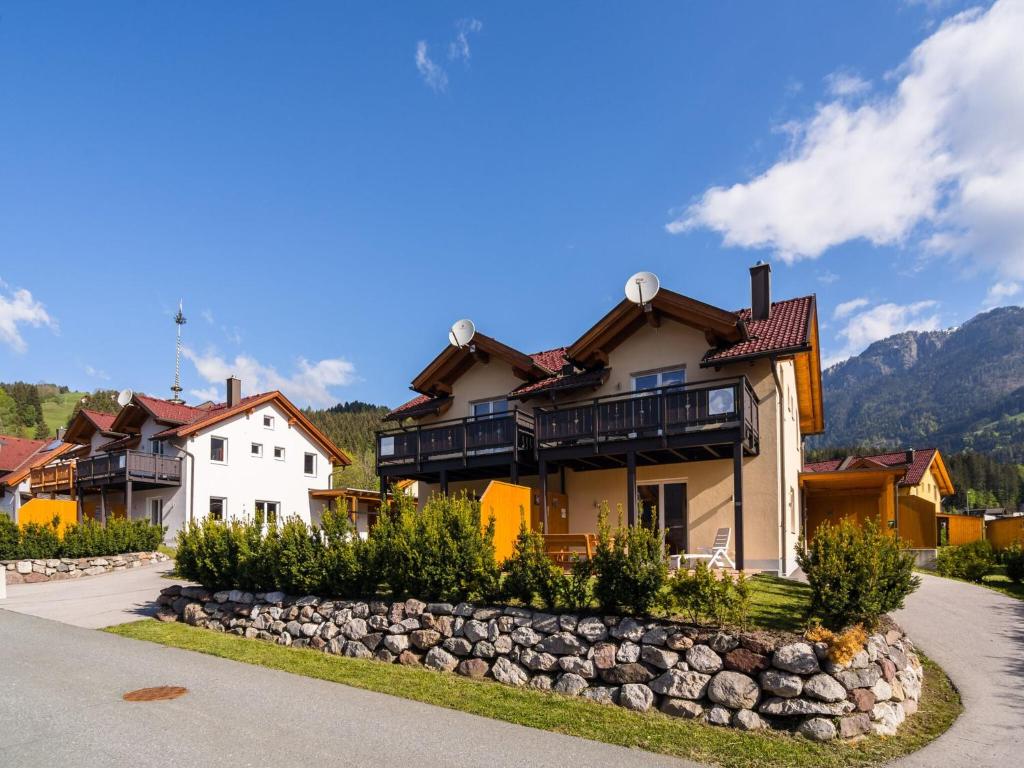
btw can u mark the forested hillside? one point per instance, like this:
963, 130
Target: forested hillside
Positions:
351, 426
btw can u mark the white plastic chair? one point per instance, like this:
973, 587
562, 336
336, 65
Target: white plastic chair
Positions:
718, 554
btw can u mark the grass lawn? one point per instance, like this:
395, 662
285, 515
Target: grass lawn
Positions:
57, 411
940, 705
778, 603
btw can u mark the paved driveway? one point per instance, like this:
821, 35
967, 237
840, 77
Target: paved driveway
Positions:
977, 636
92, 601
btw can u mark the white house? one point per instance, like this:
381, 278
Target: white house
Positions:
172, 463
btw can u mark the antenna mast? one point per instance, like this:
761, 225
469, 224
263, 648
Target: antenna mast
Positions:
179, 320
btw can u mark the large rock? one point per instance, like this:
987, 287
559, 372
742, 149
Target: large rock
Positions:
504, 671
396, 643
824, 688
538, 662
745, 661
561, 644
859, 678
592, 629
460, 646
637, 697
678, 642
854, 725
796, 657
570, 684
356, 650
704, 660
628, 629
628, 652
473, 668
622, 674
424, 639
193, 614
748, 720
887, 717
681, 685
784, 684
603, 655
438, 658
526, 636
582, 667
475, 631
682, 708
734, 690
659, 657
600, 694
545, 623
719, 715
863, 699
778, 707
484, 650
817, 729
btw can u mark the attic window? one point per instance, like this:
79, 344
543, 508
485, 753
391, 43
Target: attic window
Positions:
268, 422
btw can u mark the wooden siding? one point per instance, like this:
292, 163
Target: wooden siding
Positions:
509, 505
1002, 533
964, 529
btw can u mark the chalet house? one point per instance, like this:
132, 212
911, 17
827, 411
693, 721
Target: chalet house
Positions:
18, 456
171, 463
675, 410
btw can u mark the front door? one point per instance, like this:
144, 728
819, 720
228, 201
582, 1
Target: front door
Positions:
663, 505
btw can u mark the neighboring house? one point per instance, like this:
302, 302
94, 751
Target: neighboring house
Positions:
903, 490
678, 410
18, 456
171, 463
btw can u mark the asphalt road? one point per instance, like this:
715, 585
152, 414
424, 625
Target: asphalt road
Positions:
92, 601
977, 636
60, 704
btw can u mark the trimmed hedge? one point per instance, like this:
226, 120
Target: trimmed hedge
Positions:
87, 539
971, 562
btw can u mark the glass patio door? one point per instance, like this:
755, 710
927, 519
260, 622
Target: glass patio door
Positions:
664, 504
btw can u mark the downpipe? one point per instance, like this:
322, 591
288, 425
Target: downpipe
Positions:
781, 410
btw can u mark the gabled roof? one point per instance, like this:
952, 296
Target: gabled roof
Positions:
87, 422
45, 454
199, 419
914, 463
421, 405
14, 450
437, 378
787, 329
719, 325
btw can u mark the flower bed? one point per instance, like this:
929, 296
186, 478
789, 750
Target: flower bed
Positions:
57, 569
750, 681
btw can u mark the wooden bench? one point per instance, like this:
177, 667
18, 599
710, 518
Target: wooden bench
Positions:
564, 548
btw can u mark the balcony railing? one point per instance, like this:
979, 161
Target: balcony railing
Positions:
473, 436
121, 466
58, 478
700, 406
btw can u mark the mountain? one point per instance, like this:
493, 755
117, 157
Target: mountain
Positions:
957, 389
38, 410
351, 426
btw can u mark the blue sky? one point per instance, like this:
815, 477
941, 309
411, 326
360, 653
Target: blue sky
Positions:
329, 186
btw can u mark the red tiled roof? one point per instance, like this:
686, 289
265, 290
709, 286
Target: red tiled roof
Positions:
915, 470
164, 410
552, 359
787, 327
37, 458
561, 382
103, 421
14, 450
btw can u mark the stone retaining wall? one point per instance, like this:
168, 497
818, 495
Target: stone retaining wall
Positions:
56, 569
749, 681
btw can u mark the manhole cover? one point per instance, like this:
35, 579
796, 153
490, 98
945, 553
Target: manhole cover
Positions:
161, 693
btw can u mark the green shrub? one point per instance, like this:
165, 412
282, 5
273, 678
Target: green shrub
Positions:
576, 589
438, 553
630, 566
38, 542
349, 561
10, 539
225, 555
530, 574
300, 561
91, 539
856, 573
704, 596
1013, 559
972, 562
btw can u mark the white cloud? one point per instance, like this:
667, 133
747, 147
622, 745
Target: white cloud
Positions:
847, 308
828, 277
207, 316
938, 160
310, 384
459, 47
202, 395
96, 373
1001, 292
846, 83
19, 308
881, 321
432, 73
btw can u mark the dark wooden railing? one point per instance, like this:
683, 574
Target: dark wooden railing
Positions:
121, 466
653, 413
57, 478
475, 435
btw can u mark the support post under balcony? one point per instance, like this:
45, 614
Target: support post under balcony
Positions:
542, 468
737, 499
631, 488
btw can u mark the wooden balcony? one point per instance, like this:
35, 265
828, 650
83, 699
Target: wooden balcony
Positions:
121, 467
465, 447
57, 478
702, 420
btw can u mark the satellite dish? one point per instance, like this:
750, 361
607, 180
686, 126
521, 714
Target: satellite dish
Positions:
462, 333
642, 287
124, 397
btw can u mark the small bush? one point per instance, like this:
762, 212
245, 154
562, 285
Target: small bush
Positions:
10, 539
704, 596
91, 539
630, 566
972, 562
856, 573
1013, 559
530, 574
576, 586
38, 542
842, 647
226, 555
349, 561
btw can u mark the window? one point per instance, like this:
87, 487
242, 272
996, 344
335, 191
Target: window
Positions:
219, 449
668, 378
156, 511
268, 422
490, 407
156, 447
218, 506
387, 446
309, 464
279, 453
267, 512
256, 450
721, 401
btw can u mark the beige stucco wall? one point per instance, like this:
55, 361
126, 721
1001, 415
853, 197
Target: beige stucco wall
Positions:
484, 381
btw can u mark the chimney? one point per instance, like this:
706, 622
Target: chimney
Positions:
910, 456
760, 291
234, 390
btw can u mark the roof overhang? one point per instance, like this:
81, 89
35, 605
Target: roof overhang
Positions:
433, 407
851, 479
593, 347
437, 378
83, 427
938, 468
